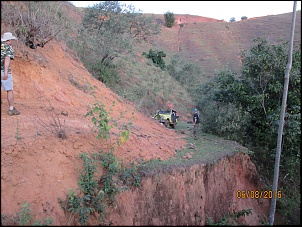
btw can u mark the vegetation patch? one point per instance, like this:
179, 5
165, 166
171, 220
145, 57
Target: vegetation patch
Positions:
52, 124
24, 218
206, 149
95, 195
246, 108
230, 219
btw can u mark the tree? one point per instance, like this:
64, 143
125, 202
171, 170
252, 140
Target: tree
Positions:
232, 19
257, 95
108, 30
36, 22
262, 78
243, 18
169, 19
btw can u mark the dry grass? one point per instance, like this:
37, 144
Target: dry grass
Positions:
149, 87
214, 45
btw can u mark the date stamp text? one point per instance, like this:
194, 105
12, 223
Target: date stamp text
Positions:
257, 194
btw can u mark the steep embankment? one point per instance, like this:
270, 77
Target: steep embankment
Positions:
52, 91
40, 148
193, 195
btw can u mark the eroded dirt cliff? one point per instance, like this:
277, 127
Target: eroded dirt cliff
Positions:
191, 195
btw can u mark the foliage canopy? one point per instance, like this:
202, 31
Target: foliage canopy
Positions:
247, 107
108, 30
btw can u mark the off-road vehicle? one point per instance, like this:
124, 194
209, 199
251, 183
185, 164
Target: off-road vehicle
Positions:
166, 117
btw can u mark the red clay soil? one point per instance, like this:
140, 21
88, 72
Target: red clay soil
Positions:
38, 164
40, 147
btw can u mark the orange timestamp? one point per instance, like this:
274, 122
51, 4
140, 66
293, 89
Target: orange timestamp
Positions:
257, 194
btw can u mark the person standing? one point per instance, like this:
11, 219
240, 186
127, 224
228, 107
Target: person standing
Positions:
7, 54
196, 120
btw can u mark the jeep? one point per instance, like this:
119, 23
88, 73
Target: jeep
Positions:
166, 117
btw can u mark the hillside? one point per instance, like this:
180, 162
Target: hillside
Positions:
210, 44
31, 149
40, 147
214, 45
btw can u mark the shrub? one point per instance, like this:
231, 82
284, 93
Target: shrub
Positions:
157, 58
95, 195
232, 19
169, 19
36, 22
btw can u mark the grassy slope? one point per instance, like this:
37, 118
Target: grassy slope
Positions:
204, 148
149, 87
214, 45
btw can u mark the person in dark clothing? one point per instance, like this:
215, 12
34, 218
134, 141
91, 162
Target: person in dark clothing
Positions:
196, 121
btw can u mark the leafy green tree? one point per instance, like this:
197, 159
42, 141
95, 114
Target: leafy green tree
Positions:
109, 30
259, 91
217, 102
169, 19
262, 80
255, 97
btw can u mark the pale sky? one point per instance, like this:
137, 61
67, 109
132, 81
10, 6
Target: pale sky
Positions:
213, 9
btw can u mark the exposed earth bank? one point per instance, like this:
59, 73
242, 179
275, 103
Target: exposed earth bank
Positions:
192, 195
40, 148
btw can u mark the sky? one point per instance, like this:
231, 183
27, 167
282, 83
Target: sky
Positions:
221, 10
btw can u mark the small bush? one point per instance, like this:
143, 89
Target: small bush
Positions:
36, 22
157, 58
23, 218
97, 194
232, 19
169, 19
